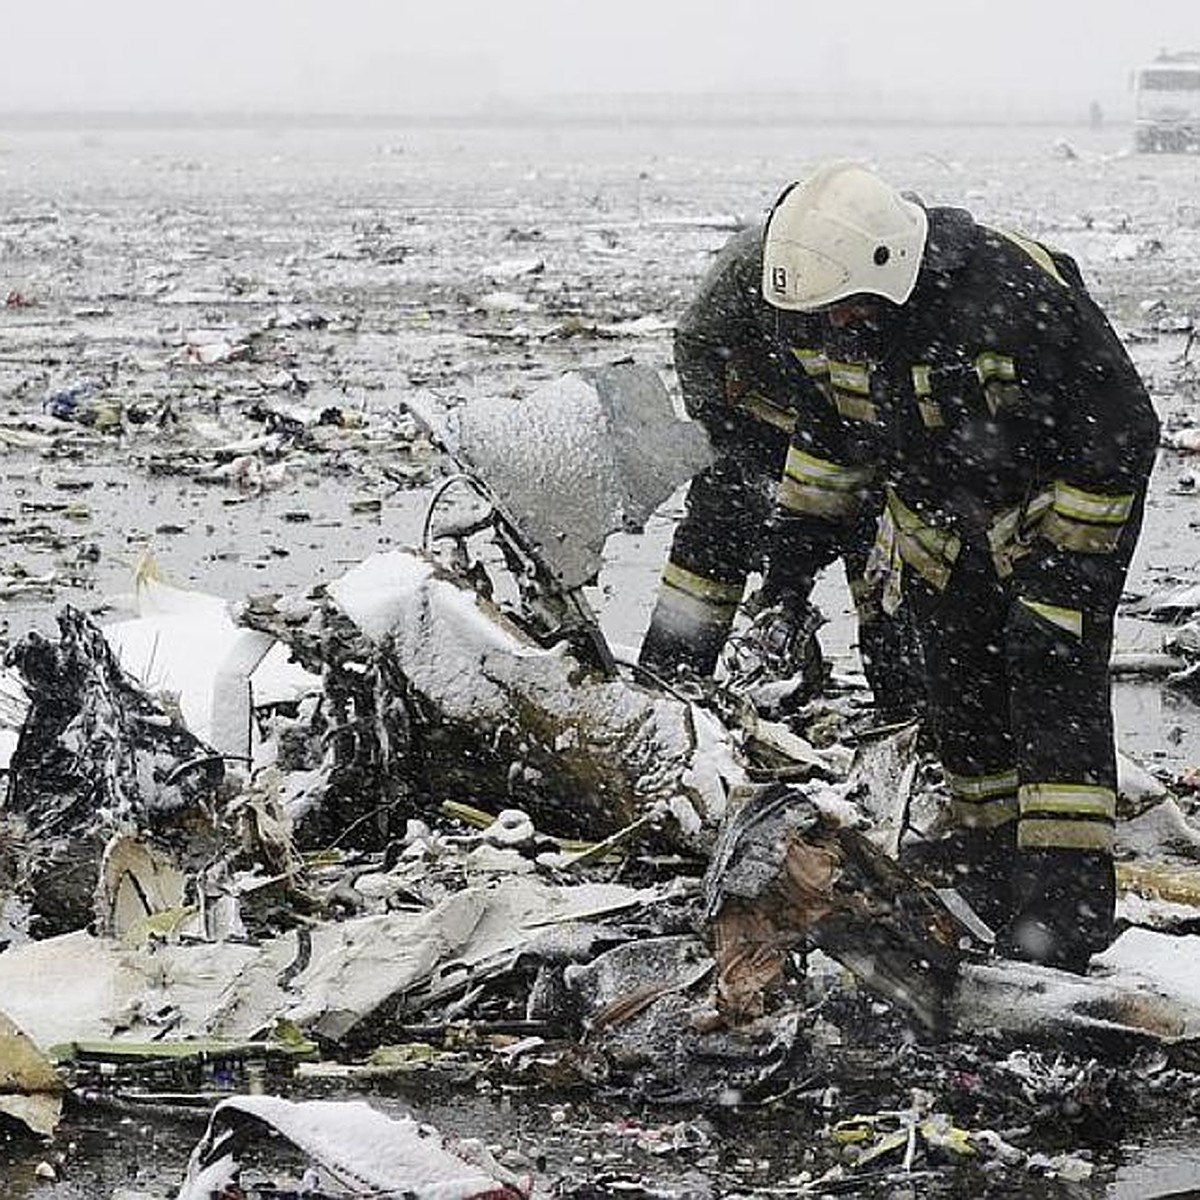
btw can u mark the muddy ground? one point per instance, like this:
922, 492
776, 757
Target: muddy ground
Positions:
212, 284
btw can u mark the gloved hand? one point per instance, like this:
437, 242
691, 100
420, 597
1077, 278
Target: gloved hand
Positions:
781, 643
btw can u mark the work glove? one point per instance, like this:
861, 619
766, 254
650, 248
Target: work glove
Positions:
780, 644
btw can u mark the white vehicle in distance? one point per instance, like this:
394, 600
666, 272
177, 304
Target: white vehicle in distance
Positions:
1167, 104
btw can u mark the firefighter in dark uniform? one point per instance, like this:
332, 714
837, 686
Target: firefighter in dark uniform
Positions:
727, 362
968, 373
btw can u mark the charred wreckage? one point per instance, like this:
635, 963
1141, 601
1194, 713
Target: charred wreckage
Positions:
429, 796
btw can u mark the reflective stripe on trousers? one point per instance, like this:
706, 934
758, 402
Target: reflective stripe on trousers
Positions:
983, 801
1020, 706
1066, 816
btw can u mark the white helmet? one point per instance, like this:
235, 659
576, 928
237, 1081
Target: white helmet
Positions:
842, 232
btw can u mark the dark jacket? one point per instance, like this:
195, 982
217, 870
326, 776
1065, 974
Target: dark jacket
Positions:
731, 376
999, 388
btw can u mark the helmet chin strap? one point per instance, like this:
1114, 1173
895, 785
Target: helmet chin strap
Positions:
847, 314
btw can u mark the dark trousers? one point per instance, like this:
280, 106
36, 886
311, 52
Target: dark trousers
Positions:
1017, 676
1010, 691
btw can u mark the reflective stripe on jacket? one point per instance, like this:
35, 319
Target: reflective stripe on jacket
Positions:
997, 403
816, 487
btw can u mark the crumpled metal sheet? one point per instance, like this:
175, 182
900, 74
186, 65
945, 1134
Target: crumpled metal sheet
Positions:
753, 845
1174, 603
329, 980
1147, 992
647, 1009
94, 747
357, 1147
578, 459
619, 983
30, 1090
613, 747
96, 755
881, 779
783, 871
137, 882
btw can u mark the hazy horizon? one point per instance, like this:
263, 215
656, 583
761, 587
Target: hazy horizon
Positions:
381, 57
674, 108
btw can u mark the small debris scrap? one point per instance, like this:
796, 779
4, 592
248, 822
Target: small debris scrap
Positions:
348, 1145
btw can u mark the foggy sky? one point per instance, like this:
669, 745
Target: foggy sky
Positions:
421, 55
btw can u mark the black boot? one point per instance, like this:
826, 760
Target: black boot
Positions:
1063, 902
977, 863
666, 654
985, 872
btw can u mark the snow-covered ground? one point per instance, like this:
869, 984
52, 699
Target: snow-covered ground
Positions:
226, 272
466, 260
214, 285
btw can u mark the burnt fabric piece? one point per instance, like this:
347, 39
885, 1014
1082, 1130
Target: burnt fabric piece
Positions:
95, 755
736, 383
1014, 440
782, 873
